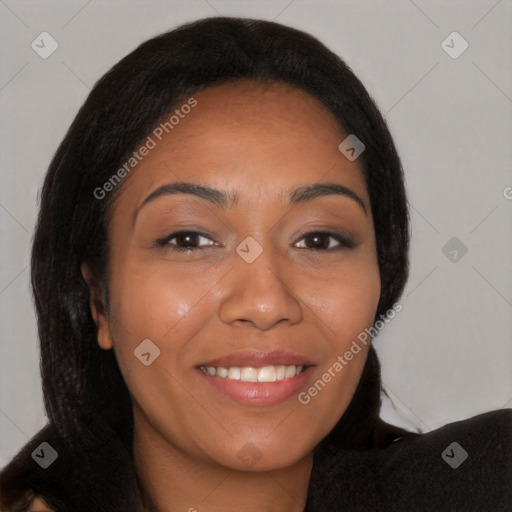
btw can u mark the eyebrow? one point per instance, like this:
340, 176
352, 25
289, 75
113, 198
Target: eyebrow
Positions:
224, 199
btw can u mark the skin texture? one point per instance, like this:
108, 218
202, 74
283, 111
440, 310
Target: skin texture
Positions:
257, 141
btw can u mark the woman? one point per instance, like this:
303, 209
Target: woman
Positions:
220, 229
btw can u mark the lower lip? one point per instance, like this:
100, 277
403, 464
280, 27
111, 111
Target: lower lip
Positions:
259, 393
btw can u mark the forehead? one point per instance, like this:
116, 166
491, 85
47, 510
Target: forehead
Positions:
258, 139
275, 112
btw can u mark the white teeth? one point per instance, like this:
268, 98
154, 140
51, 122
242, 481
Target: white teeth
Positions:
211, 370
222, 372
267, 374
290, 371
250, 374
234, 373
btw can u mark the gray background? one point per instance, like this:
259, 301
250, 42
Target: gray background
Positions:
448, 354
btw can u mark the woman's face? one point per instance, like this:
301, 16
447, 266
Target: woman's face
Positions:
240, 279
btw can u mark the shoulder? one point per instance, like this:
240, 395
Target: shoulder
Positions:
487, 436
63, 473
463, 465
34, 479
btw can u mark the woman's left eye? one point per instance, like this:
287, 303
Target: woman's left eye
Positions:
320, 241
189, 241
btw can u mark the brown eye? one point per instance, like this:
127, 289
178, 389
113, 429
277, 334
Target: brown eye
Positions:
185, 241
323, 240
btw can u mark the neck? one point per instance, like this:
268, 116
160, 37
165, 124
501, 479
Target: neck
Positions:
173, 481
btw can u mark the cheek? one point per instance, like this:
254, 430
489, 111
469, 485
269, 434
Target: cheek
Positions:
346, 301
169, 309
346, 306
157, 304
150, 305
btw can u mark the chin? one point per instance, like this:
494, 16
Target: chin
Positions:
255, 457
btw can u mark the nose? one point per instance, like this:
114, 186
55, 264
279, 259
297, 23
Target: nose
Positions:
260, 293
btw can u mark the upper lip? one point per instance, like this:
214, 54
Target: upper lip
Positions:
257, 358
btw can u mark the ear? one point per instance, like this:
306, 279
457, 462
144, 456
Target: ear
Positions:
98, 310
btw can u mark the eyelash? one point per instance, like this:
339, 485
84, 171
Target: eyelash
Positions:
344, 242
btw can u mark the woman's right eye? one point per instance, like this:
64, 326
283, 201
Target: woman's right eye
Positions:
185, 241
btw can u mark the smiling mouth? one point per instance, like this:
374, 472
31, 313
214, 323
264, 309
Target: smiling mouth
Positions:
252, 374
